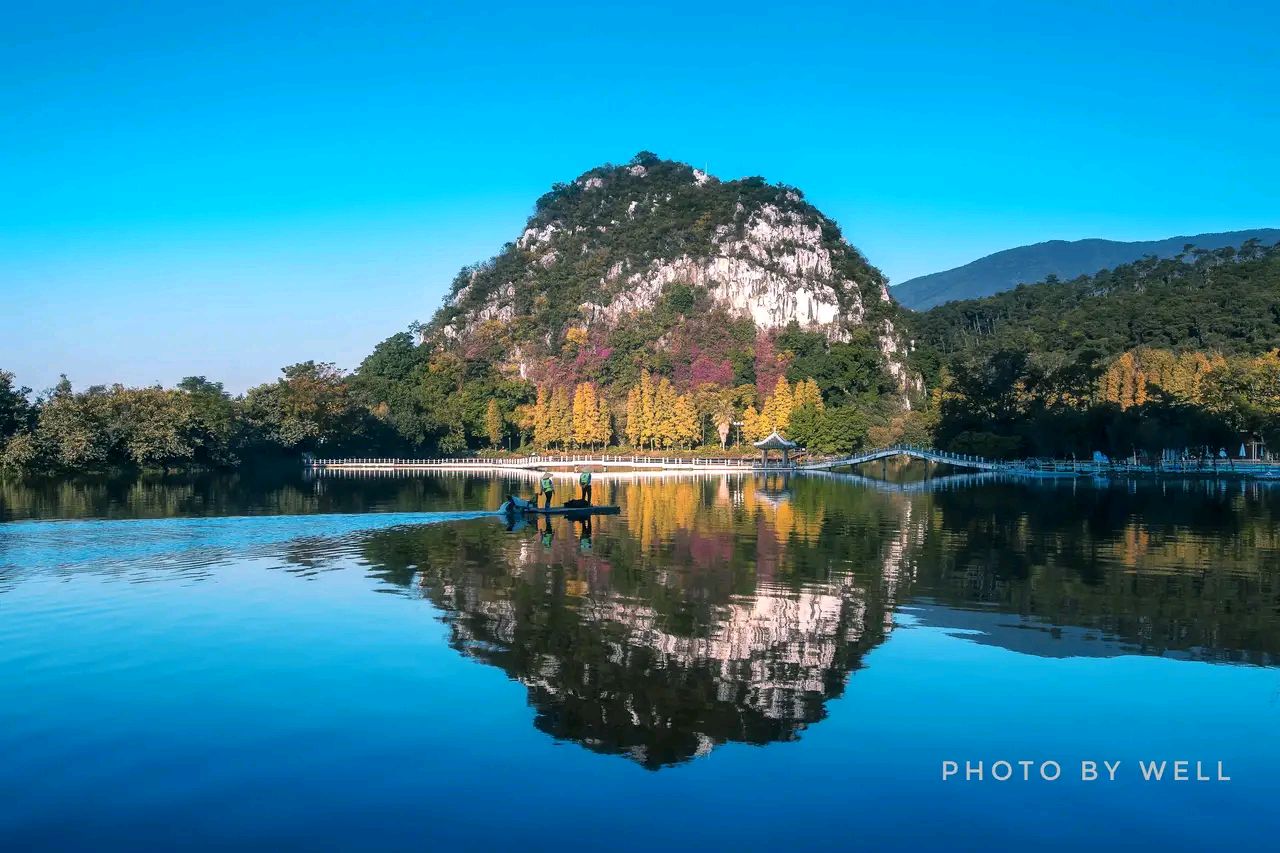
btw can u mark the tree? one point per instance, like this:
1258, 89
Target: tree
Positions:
75, 428
805, 426
560, 419
752, 424
842, 429
1246, 392
648, 411
665, 427
155, 425
309, 408
493, 424
586, 416
776, 414
542, 430
635, 417
15, 409
722, 415
214, 421
604, 423
807, 393
686, 428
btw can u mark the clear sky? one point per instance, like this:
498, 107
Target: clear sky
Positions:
226, 188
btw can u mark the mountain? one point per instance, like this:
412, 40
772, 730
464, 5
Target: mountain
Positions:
1158, 355
658, 265
1225, 301
1064, 259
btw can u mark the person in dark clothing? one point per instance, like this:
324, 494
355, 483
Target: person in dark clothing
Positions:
584, 480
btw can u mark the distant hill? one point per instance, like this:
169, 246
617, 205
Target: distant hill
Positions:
1065, 259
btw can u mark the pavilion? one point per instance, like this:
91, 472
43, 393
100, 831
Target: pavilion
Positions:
776, 442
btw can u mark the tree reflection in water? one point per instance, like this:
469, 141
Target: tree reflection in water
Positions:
720, 609
726, 609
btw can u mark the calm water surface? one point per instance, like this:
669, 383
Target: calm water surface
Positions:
746, 663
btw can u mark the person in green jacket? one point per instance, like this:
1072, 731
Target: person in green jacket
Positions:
548, 489
584, 480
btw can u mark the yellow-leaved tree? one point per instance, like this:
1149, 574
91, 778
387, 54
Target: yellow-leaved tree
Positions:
635, 417
776, 414
542, 418
688, 429
560, 419
751, 424
648, 413
604, 423
586, 414
665, 429
493, 424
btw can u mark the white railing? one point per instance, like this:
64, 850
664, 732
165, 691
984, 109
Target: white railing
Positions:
534, 461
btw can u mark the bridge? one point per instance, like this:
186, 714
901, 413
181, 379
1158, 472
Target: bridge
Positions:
667, 463
564, 463
958, 460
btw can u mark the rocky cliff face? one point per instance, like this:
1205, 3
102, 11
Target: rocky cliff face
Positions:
607, 247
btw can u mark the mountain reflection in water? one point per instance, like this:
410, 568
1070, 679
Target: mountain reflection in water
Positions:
716, 609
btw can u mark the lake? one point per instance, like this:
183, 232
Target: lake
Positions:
733, 662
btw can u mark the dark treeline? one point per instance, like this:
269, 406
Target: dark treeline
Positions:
1150, 356
193, 425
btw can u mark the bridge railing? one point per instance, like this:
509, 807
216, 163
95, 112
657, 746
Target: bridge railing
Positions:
533, 461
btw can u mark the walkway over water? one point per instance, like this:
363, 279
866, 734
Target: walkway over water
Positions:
926, 454
670, 463
618, 462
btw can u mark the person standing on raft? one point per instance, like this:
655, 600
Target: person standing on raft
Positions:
548, 489
584, 480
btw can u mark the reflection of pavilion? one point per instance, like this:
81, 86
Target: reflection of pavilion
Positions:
773, 489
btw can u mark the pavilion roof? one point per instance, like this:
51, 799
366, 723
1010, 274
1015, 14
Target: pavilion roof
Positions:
775, 442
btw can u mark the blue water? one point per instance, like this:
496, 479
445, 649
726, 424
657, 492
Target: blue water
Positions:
389, 680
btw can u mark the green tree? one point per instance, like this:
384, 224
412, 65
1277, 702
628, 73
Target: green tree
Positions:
16, 412
308, 409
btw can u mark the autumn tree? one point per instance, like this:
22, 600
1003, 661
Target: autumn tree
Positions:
493, 424
665, 429
686, 425
635, 417
560, 418
776, 414
604, 423
752, 424
634, 427
541, 418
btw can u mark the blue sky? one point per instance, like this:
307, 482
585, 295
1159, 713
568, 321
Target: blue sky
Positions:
223, 189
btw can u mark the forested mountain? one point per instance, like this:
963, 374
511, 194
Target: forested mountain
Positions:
1061, 258
623, 256
655, 305
647, 305
1155, 355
